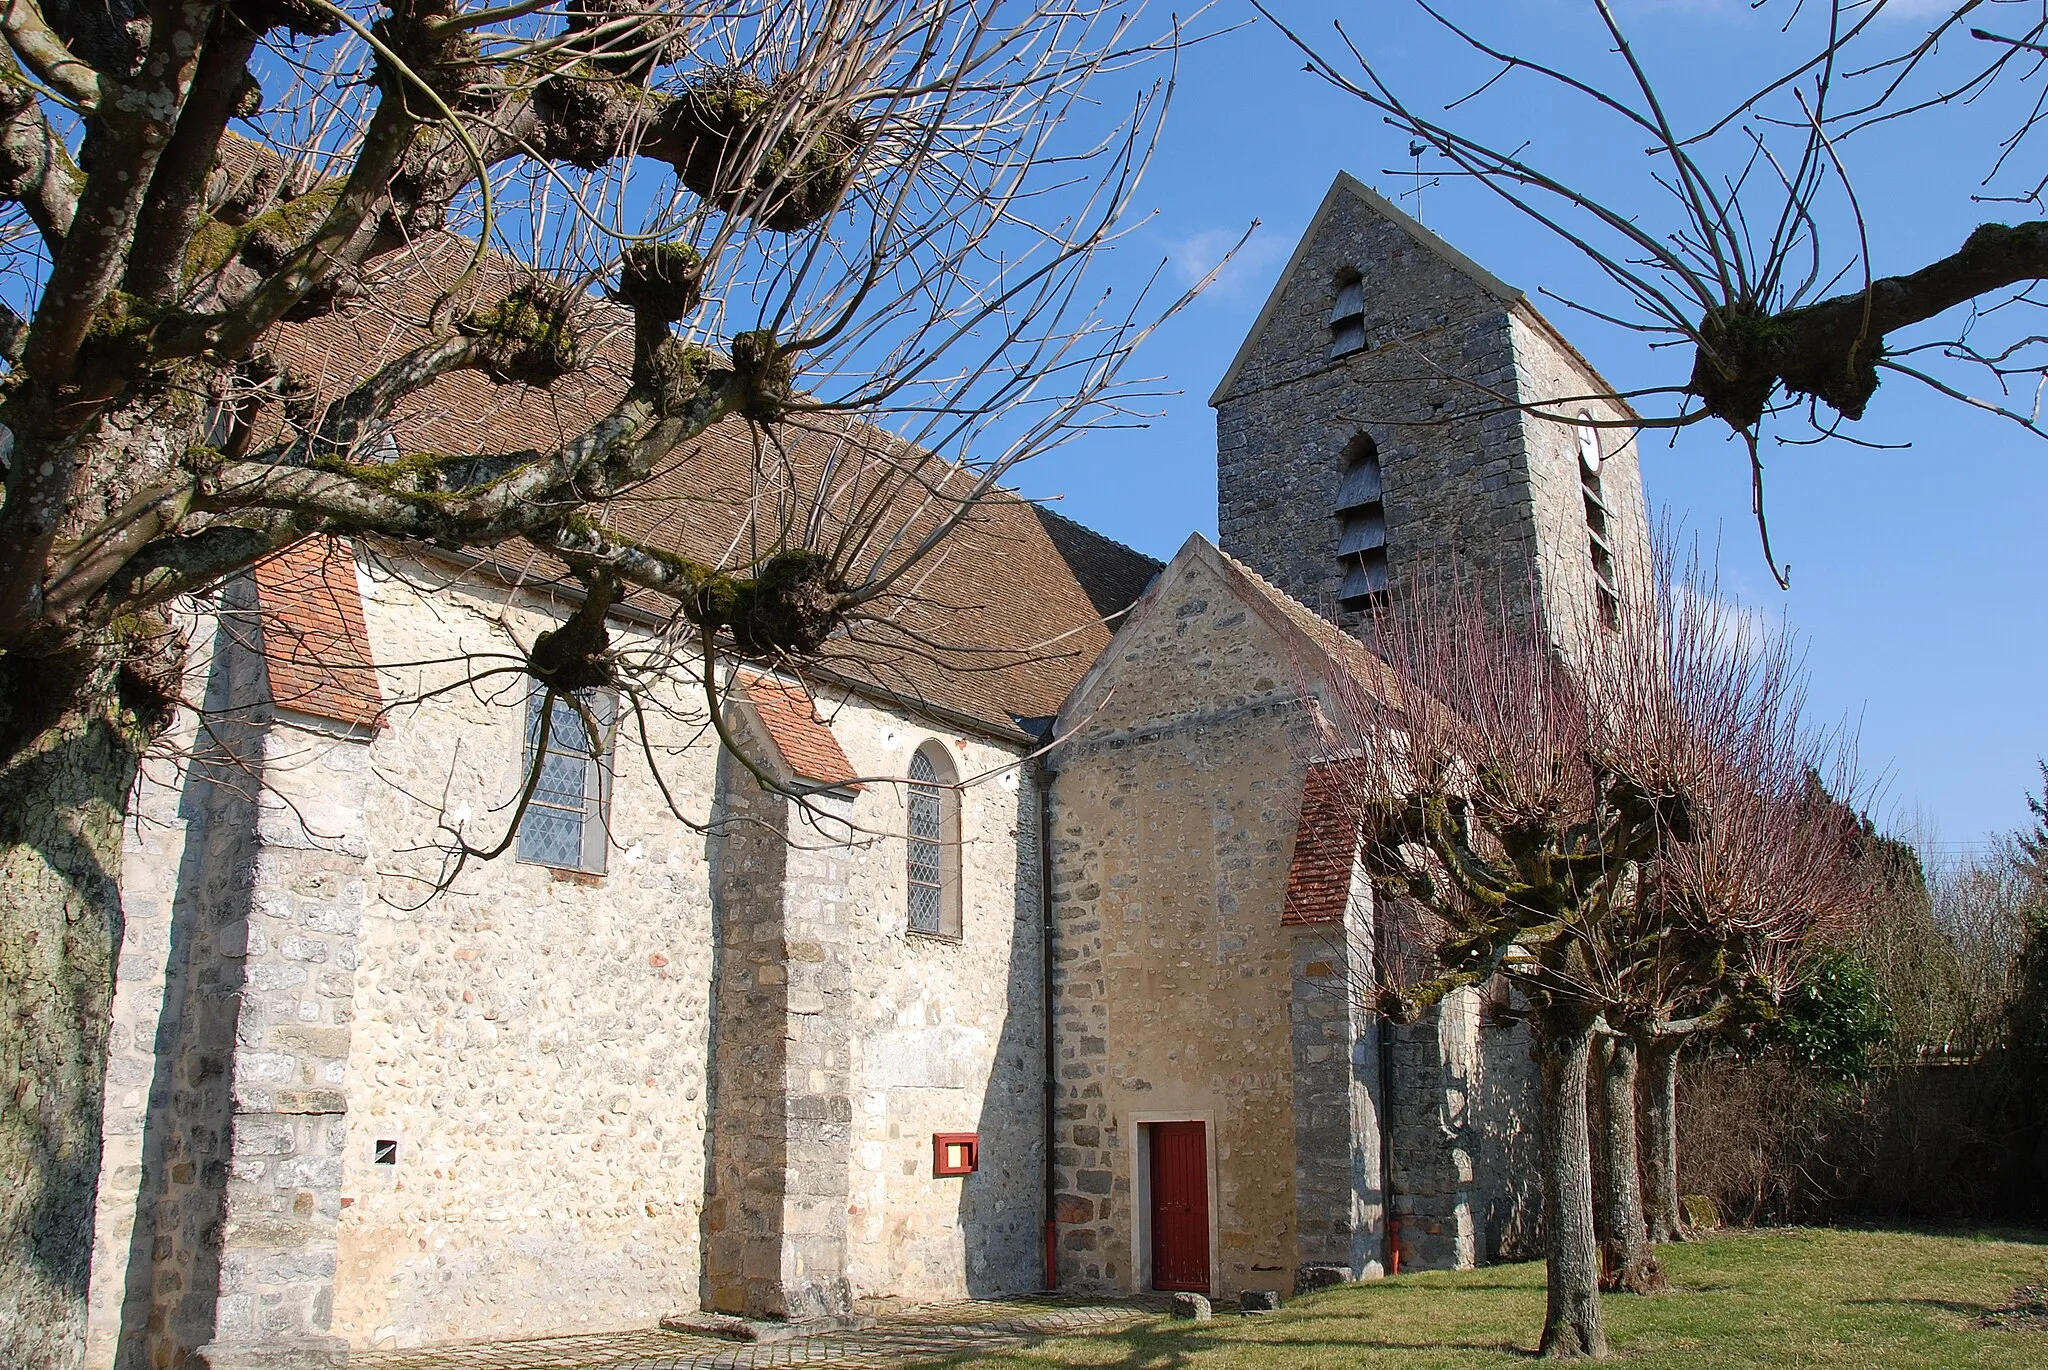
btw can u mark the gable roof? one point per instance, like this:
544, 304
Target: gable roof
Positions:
790, 718
995, 626
1347, 186
315, 645
1314, 638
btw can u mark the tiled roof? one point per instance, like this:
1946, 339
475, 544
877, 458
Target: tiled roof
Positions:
314, 642
791, 719
1325, 845
996, 625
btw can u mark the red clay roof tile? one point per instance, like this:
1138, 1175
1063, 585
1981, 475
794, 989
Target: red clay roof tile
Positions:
791, 719
1325, 846
996, 625
315, 643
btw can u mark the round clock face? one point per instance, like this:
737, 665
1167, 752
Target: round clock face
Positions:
1589, 445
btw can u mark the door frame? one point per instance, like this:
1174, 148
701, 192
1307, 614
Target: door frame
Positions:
1140, 1143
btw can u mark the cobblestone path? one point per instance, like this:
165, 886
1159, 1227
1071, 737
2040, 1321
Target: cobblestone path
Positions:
919, 1337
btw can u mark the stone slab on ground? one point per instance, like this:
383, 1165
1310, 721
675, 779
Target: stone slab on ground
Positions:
914, 1337
728, 1328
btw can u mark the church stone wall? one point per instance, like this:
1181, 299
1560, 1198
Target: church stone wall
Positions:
160, 919
538, 1043
890, 1037
1172, 831
1549, 376
534, 1041
946, 1036
243, 888
1339, 1203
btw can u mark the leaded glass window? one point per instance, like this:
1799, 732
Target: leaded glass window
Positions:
927, 846
563, 825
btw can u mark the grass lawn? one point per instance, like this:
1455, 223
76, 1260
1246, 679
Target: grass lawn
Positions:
1787, 1297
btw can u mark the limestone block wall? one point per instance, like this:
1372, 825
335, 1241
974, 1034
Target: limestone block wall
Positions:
845, 1041
168, 833
1505, 1103
218, 1213
534, 1042
1339, 1195
1548, 374
947, 1036
1455, 486
1174, 809
1436, 1140
774, 1216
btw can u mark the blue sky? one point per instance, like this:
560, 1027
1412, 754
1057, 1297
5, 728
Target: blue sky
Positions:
1917, 574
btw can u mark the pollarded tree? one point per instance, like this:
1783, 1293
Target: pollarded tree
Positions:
805, 209
1726, 924
1500, 840
1526, 809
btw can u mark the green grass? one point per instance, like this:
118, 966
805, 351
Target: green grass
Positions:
1788, 1297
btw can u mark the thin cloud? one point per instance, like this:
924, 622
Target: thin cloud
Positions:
1251, 270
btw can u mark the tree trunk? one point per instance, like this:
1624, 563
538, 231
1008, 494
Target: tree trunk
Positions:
72, 730
1660, 1128
1571, 1320
1627, 1261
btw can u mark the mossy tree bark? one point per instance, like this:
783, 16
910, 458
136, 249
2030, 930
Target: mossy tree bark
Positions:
1627, 1261
74, 732
1659, 1095
1560, 1042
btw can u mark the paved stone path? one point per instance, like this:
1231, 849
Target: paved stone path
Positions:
916, 1337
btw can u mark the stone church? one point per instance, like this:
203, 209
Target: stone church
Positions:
1049, 980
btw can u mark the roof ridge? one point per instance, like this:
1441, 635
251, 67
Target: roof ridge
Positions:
1042, 505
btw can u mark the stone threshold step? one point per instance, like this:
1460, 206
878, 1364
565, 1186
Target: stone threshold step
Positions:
759, 1329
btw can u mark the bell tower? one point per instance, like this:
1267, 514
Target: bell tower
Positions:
1397, 409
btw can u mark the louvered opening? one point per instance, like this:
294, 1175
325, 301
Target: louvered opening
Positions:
1361, 526
1347, 315
1591, 460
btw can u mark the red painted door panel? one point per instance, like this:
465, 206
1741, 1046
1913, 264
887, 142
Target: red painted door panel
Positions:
1180, 1208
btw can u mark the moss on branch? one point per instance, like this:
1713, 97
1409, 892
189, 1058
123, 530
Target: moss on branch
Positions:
662, 280
525, 337
762, 378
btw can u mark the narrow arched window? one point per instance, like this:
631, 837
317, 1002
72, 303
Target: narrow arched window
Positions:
933, 831
1361, 526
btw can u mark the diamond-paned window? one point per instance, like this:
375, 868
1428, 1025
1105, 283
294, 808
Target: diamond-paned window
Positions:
927, 846
563, 825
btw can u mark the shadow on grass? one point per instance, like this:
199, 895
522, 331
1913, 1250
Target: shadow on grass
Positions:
1959, 1231
1956, 1306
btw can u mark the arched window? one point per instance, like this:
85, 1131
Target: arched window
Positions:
933, 829
1590, 461
1347, 314
1362, 526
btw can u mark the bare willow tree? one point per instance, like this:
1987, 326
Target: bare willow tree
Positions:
1743, 251
1581, 820
801, 210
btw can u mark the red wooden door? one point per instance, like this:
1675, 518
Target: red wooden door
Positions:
1180, 1208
